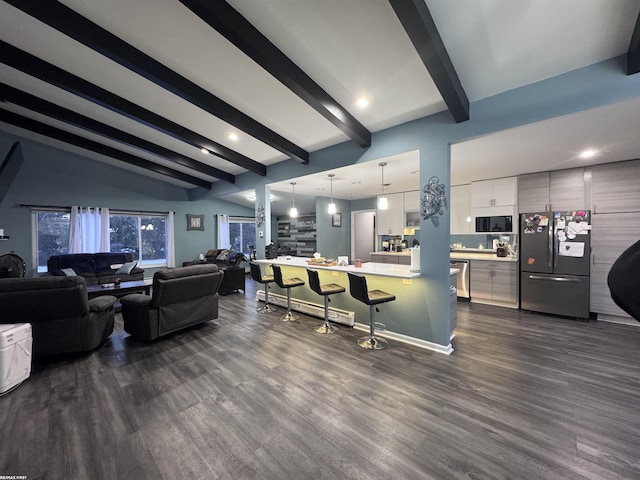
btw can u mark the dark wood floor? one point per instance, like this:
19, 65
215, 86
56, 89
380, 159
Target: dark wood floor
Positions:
249, 397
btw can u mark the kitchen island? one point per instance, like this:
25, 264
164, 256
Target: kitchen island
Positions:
405, 319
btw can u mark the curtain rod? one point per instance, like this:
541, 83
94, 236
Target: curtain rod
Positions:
55, 207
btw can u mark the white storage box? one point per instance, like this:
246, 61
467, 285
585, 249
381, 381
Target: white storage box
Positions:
15, 354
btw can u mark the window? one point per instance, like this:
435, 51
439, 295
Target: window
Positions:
52, 236
144, 236
242, 234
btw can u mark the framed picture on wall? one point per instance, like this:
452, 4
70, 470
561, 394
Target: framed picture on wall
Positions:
195, 222
336, 220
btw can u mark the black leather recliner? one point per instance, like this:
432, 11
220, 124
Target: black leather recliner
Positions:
63, 319
181, 297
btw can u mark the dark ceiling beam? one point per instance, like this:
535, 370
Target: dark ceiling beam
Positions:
67, 21
236, 29
31, 65
633, 54
72, 139
419, 25
31, 102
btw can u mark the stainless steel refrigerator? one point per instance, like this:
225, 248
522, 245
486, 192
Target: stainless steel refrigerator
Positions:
555, 248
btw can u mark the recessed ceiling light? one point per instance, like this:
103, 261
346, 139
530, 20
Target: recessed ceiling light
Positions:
233, 137
362, 102
588, 153
205, 151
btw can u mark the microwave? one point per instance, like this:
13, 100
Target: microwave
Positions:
496, 223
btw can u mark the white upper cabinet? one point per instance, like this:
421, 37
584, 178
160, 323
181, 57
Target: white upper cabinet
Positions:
494, 193
412, 201
460, 208
391, 221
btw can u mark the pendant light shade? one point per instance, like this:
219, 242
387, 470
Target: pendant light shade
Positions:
383, 203
293, 211
332, 206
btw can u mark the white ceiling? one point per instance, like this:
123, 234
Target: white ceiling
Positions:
350, 48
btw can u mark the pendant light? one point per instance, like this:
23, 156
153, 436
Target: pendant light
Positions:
332, 206
383, 203
293, 211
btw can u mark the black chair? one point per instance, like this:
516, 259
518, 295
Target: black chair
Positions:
256, 274
359, 291
287, 283
325, 290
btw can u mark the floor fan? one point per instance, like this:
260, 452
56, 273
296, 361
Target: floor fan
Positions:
12, 266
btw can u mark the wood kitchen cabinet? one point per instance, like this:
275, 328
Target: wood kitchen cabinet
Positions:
567, 190
615, 187
552, 191
391, 221
611, 234
494, 282
494, 193
396, 259
533, 192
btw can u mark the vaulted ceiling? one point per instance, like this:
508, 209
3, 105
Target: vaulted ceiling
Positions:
195, 91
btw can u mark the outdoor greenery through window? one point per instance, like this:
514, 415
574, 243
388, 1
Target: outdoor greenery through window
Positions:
144, 236
242, 234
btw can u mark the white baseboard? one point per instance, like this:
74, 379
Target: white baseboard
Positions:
416, 342
335, 314
346, 317
603, 317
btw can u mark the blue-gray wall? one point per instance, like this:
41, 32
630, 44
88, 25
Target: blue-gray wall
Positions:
53, 177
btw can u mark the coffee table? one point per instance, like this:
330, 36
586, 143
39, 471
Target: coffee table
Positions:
125, 288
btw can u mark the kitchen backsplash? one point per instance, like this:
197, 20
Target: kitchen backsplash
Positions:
477, 239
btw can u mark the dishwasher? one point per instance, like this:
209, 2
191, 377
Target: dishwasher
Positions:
463, 277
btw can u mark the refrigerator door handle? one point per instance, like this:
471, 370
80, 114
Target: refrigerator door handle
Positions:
552, 242
554, 279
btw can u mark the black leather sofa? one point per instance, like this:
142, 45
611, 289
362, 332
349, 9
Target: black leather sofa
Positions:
181, 297
63, 319
94, 267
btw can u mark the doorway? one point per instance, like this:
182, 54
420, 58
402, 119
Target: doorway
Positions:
363, 234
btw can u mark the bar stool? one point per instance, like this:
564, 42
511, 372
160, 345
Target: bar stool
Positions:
359, 291
256, 274
287, 283
325, 290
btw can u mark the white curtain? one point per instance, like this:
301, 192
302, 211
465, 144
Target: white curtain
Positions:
89, 230
223, 230
171, 249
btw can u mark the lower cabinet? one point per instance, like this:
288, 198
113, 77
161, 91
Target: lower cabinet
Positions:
495, 283
390, 258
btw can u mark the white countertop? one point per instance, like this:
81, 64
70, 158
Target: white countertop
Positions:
368, 268
481, 256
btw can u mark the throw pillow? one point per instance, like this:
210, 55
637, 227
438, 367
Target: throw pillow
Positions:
69, 272
126, 268
224, 256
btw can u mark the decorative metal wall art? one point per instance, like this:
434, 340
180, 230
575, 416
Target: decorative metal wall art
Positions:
433, 200
260, 215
